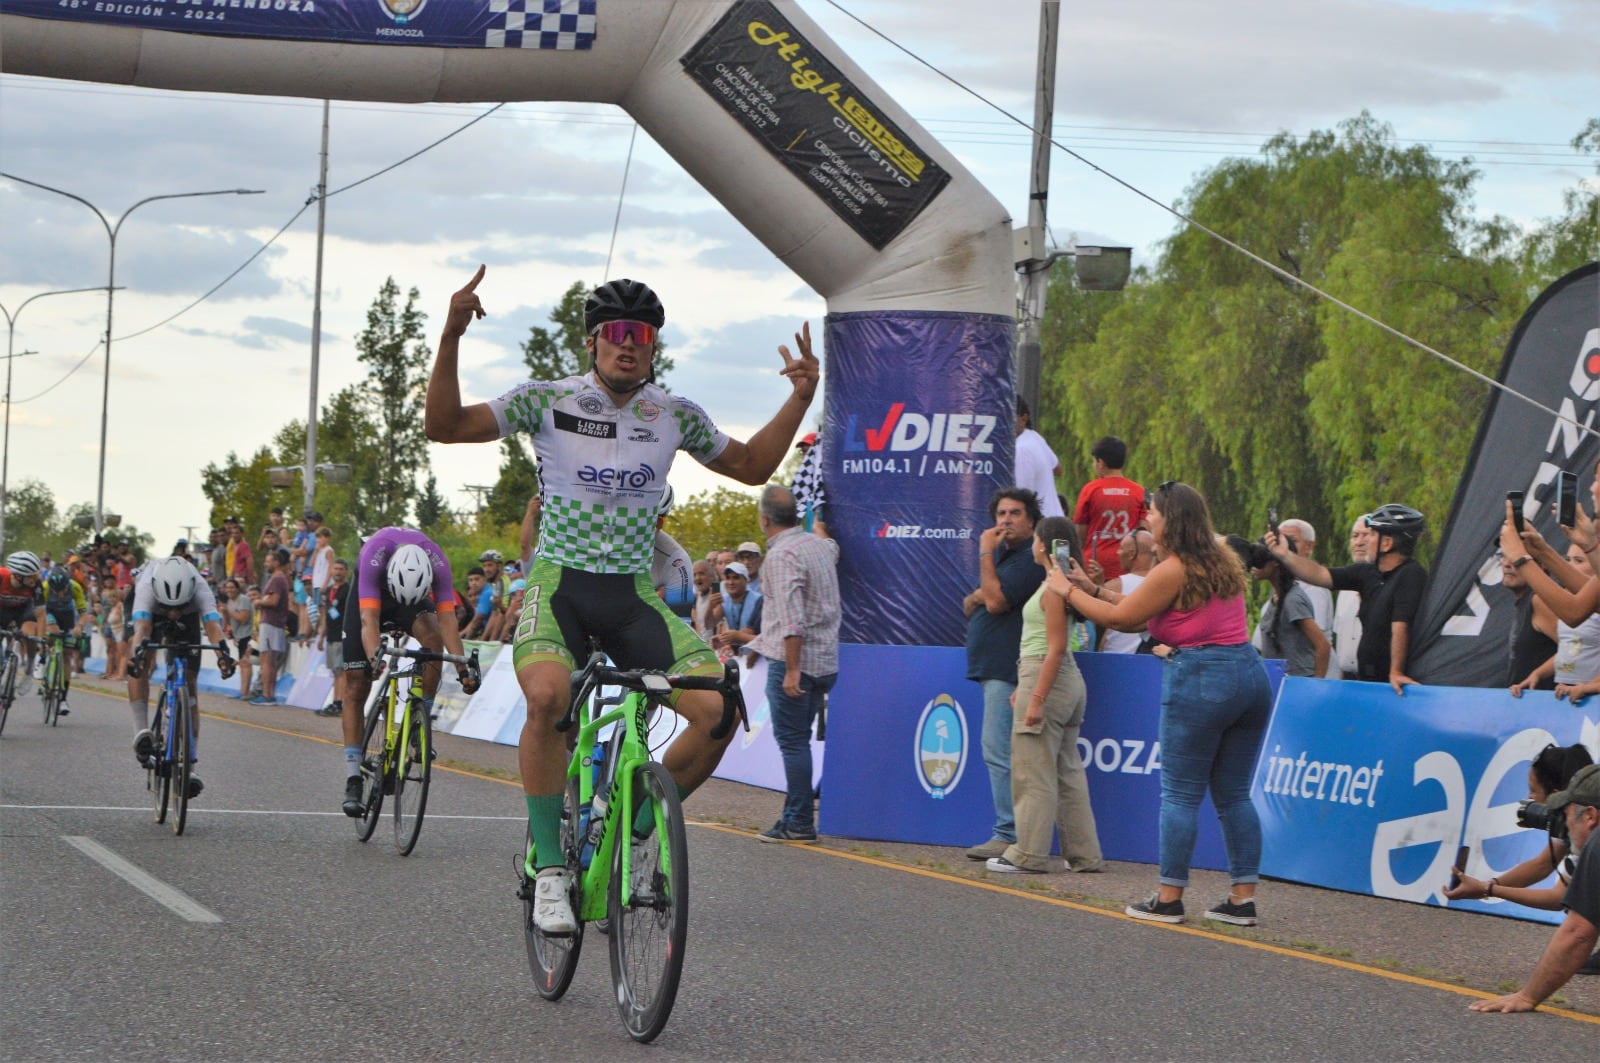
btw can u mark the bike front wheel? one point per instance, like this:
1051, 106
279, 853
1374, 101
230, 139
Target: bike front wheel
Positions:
52, 689
373, 771
158, 776
412, 774
182, 765
8, 687
649, 924
553, 959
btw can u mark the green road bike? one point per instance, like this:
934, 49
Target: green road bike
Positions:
397, 751
623, 841
53, 687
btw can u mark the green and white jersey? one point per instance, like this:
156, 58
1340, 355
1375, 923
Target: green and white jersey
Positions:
603, 467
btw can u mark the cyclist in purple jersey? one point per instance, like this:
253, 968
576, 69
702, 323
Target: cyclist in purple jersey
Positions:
401, 576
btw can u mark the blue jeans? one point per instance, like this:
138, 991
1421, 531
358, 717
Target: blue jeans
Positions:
791, 727
1215, 703
997, 753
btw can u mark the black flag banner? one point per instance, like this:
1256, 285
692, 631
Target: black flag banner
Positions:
1554, 358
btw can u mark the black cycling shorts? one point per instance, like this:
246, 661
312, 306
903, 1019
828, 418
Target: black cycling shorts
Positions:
391, 613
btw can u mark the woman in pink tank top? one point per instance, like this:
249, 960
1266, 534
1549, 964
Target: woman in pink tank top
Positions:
1215, 699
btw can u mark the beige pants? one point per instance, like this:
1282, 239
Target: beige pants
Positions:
1049, 787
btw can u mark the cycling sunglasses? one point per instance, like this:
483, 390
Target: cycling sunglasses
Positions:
641, 333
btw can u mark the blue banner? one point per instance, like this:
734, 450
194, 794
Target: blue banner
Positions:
904, 761
557, 24
919, 433
1364, 791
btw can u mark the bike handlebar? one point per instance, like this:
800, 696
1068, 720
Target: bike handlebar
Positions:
596, 673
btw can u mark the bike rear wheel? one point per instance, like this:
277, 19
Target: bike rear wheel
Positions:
372, 770
413, 773
650, 926
553, 960
158, 777
8, 686
182, 759
51, 692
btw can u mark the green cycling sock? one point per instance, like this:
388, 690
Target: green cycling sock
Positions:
544, 825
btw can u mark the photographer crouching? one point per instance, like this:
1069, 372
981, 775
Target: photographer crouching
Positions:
1574, 811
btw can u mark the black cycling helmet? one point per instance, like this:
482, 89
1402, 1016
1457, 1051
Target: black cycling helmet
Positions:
58, 580
622, 300
1405, 524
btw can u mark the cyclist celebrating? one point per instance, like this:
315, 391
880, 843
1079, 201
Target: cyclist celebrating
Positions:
22, 602
605, 442
64, 610
402, 580
170, 602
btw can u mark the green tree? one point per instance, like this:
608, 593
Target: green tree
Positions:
431, 508
34, 523
713, 519
1223, 374
397, 360
241, 488
517, 482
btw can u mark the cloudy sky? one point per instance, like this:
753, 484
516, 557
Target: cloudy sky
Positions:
1153, 90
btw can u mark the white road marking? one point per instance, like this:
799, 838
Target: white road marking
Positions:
171, 897
231, 812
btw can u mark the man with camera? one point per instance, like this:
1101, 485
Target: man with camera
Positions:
1579, 808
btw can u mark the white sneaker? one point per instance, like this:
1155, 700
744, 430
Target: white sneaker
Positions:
552, 909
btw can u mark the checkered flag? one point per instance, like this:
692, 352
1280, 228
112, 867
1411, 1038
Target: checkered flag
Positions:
807, 486
566, 25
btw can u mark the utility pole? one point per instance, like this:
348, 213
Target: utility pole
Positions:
1034, 261
480, 492
310, 478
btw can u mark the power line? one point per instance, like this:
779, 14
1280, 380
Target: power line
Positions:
1225, 241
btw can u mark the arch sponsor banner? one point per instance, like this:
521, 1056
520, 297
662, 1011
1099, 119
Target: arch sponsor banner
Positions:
1364, 791
567, 25
840, 144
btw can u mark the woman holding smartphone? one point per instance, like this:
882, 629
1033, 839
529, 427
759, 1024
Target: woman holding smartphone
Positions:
1049, 787
1215, 699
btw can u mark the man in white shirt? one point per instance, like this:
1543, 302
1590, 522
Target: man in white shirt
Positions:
1302, 539
1037, 465
1137, 552
1346, 622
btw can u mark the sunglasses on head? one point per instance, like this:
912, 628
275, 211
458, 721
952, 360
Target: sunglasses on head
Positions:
640, 333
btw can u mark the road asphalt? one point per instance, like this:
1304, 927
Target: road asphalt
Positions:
1469, 953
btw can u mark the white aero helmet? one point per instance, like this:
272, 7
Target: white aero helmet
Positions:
24, 563
410, 574
173, 580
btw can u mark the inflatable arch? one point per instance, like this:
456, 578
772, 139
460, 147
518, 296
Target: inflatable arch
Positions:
913, 256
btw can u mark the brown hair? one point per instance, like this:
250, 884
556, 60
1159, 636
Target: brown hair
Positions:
1210, 569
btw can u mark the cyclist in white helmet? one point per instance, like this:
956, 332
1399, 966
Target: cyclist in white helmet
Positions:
170, 603
22, 605
605, 440
402, 580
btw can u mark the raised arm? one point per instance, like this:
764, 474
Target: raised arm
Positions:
754, 462
1303, 568
445, 420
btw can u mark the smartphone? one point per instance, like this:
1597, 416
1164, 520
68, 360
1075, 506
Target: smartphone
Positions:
1567, 499
1061, 550
1515, 498
1272, 520
1460, 865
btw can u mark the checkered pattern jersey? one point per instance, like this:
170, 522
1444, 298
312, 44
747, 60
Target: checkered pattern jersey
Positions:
602, 467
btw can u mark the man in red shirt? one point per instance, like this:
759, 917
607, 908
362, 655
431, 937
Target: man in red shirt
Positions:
1109, 506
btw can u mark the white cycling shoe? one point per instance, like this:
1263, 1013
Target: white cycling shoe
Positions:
552, 907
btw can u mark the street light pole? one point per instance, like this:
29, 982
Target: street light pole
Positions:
1035, 266
316, 320
5, 448
111, 281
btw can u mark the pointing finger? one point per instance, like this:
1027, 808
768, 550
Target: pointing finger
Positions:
476, 277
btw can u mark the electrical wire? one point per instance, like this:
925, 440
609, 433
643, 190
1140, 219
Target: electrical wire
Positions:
1225, 241
622, 193
272, 240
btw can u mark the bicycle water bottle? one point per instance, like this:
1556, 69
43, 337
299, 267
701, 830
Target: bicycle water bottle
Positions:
592, 820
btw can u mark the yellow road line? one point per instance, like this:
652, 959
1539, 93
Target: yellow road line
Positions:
1059, 902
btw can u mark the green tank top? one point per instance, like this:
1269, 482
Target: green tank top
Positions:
1035, 642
